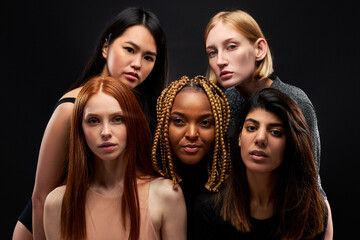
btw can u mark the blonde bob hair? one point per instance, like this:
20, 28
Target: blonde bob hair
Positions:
247, 26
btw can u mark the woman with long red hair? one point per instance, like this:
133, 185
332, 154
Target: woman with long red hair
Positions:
112, 191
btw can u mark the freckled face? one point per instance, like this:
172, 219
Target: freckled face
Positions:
191, 129
104, 127
262, 141
130, 57
231, 55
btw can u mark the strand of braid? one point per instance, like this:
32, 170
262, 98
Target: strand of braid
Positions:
162, 156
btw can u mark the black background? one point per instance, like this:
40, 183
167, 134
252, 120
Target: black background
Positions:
46, 44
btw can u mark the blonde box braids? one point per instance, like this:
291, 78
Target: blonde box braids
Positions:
162, 155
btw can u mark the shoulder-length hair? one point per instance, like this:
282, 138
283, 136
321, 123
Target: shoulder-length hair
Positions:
81, 161
162, 154
246, 25
298, 201
151, 88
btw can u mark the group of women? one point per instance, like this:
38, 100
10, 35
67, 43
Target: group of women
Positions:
233, 156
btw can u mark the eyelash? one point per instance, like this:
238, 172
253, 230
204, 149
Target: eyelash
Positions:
274, 132
118, 119
132, 51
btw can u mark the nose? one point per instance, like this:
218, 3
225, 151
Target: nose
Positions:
106, 132
192, 132
221, 59
136, 63
261, 138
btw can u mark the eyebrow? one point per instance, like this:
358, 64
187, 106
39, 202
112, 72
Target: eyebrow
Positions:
225, 42
138, 48
271, 124
94, 114
183, 115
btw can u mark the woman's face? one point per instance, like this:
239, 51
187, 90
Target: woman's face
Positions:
131, 56
104, 127
262, 141
231, 55
191, 128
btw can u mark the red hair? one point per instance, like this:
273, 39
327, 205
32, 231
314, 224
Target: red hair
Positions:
81, 162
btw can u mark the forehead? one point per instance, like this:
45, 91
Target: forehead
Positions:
191, 100
263, 116
222, 30
139, 35
100, 103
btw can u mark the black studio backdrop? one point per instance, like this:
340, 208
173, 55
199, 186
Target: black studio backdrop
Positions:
46, 44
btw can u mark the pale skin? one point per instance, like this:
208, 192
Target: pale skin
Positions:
103, 124
130, 58
233, 59
262, 142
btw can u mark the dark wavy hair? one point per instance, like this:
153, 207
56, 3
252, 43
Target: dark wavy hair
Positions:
298, 201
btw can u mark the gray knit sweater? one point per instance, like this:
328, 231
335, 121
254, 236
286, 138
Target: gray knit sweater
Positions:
237, 103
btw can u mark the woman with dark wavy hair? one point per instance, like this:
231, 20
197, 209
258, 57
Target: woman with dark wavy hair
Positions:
272, 191
132, 49
112, 190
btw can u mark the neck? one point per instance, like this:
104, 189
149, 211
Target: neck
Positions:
262, 187
108, 176
247, 88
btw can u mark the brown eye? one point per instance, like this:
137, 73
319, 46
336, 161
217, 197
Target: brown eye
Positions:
178, 121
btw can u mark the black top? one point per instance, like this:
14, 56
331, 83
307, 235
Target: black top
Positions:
64, 100
209, 225
194, 178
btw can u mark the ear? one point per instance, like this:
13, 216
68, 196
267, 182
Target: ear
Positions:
105, 49
239, 140
261, 48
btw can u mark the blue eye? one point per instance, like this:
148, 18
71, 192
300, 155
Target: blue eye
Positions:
211, 53
232, 47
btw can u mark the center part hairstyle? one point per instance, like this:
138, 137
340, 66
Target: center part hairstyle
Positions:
81, 159
158, 78
297, 199
162, 154
246, 25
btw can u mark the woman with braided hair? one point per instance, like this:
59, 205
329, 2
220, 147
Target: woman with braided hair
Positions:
191, 144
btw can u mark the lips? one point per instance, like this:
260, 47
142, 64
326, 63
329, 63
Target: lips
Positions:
191, 148
107, 146
224, 75
132, 76
258, 155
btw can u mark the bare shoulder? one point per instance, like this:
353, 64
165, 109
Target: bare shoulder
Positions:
163, 188
54, 198
73, 93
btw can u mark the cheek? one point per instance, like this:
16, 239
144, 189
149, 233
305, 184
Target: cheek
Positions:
90, 139
175, 135
115, 61
208, 137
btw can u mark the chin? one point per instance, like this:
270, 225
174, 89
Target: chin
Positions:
190, 161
